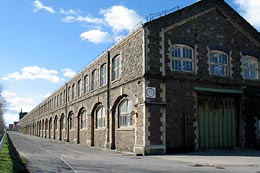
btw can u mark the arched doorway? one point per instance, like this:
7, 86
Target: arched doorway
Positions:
70, 126
80, 122
62, 126
46, 128
123, 120
50, 127
55, 127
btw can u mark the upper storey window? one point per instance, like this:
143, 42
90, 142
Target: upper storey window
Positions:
250, 67
182, 58
86, 84
218, 63
116, 64
103, 75
94, 80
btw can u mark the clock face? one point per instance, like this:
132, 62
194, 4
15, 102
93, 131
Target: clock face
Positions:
150, 92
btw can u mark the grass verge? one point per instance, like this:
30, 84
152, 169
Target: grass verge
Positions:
10, 161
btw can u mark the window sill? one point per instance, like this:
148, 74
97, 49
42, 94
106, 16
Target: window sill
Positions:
103, 86
100, 129
115, 80
126, 129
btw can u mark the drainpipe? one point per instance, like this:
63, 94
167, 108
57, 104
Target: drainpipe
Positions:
66, 112
109, 130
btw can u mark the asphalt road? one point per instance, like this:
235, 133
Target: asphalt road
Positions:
49, 156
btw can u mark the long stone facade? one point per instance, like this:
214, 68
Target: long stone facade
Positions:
186, 81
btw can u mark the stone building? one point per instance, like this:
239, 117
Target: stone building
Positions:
188, 80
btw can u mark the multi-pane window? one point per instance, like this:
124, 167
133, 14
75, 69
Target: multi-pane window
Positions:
218, 63
61, 98
116, 64
125, 116
182, 58
94, 81
62, 125
55, 123
103, 75
73, 92
100, 117
58, 99
258, 127
83, 119
250, 67
86, 84
79, 88
69, 91
64, 96
64, 122
70, 121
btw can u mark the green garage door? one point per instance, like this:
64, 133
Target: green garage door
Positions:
217, 122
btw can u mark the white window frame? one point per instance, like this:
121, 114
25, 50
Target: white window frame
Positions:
218, 65
100, 117
252, 66
94, 81
125, 117
116, 68
103, 75
180, 58
86, 84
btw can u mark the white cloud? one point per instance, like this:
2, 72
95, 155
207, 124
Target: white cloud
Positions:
14, 103
69, 72
70, 11
96, 36
32, 73
39, 6
71, 19
250, 9
121, 18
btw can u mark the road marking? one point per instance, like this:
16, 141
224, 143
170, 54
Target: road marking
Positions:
64, 161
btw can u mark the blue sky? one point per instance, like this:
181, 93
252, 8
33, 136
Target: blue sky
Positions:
44, 43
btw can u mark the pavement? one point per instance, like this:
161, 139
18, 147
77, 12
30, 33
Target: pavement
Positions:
51, 156
232, 157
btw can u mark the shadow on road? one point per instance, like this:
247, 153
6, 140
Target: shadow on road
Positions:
18, 164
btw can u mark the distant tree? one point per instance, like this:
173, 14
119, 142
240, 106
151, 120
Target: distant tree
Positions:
2, 124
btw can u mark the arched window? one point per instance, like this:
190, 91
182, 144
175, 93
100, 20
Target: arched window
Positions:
218, 63
100, 113
182, 58
103, 75
69, 92
83, 119
125, 116
94, 82
79, 88
250, 67
116, 65
56, 123
70, 121
86, 84
62, 122
73, 92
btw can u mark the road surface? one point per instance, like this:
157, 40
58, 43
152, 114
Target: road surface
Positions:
50, 156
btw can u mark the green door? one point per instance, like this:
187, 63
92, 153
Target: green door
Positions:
217, 122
